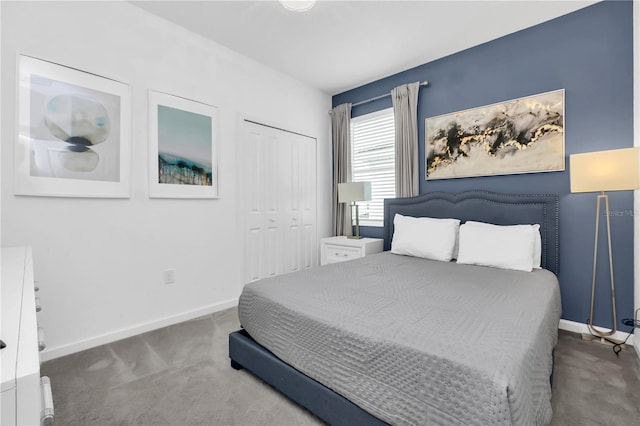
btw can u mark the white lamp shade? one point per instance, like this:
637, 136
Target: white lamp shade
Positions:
354, 191
613, 170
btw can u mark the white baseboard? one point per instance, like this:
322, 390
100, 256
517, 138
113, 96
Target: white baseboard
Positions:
579, 327
59, 351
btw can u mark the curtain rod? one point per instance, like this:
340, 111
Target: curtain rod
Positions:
366, 101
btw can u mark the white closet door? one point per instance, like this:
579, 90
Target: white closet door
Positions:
280, 202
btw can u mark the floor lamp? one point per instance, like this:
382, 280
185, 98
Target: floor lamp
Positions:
614, 170
351, 192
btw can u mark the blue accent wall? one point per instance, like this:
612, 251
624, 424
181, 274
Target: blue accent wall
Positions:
589, 53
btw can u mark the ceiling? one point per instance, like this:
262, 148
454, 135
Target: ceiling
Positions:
340, 45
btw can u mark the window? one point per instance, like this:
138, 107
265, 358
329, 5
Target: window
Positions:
373, 160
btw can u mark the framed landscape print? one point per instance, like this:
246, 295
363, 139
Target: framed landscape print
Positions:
182, 148
523, 135
73, 132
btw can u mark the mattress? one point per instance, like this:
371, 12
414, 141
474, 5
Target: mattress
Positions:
414, 341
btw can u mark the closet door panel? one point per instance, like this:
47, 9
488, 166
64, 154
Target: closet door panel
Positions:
254, 201
272, 217
307, 161
290, 199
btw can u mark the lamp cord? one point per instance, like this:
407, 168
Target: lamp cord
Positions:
617, 347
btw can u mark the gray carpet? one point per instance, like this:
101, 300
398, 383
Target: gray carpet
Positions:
180, 375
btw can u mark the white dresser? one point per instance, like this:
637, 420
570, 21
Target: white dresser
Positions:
340, 249
26, 397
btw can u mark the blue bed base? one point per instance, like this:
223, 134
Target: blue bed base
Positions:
326, 404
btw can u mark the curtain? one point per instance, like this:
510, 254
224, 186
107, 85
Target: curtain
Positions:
341, 130
405, 112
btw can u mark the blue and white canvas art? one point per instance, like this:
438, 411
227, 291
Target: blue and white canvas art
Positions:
523, 135
182, 147
73, 132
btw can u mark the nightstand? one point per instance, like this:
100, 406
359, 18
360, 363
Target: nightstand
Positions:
340, 249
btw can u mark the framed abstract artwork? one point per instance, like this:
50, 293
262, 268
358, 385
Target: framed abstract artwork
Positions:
73, 132
182, 148
524, 135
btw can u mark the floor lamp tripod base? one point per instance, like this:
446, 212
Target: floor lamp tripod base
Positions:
603, 340
594, 333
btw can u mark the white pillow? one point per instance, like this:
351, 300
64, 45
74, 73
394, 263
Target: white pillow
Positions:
424, 237
537, 241
506, 247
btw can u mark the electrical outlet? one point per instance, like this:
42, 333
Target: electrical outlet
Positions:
168, 276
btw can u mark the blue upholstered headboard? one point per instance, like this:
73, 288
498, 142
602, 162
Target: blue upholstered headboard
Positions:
482, 206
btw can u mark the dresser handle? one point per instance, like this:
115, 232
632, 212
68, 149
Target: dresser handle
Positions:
46, 415
41, 343
38, 305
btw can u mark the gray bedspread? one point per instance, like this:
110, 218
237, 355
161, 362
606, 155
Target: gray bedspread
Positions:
415, 341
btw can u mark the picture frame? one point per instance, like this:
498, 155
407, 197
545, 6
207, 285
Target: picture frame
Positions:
524, 135
183, 147
73, 132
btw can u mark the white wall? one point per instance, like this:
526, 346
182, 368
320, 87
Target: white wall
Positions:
99, 261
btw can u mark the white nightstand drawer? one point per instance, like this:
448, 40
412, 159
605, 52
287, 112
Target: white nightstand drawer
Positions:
340, 249
335, 253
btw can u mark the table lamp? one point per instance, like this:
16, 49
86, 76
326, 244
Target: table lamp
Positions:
614, 170
351, 192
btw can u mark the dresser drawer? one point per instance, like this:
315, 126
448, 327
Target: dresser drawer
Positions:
335, 253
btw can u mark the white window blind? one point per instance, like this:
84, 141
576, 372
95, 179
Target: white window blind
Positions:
373, 160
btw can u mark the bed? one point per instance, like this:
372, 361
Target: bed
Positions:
391, 339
